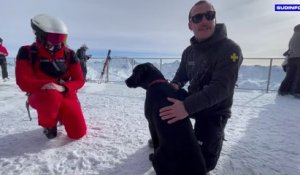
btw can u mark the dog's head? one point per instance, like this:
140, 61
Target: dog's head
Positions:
143, 75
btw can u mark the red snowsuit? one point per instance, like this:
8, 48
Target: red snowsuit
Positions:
3, 63
3, 51
51, 105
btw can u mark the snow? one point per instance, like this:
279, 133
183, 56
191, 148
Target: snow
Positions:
262, 136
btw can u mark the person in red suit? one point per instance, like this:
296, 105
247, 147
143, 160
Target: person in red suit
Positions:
49, 72
3, 63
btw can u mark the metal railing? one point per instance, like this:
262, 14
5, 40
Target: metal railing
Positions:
268, 63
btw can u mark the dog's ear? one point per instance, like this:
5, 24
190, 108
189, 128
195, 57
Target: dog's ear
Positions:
144, 68
153, 71
150, 66
140, 69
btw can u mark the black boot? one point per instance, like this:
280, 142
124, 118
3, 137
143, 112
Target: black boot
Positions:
50, 132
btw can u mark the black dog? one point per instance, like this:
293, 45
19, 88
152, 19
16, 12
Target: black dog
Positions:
176, 149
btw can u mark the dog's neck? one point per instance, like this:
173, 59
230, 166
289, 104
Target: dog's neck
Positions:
157, 81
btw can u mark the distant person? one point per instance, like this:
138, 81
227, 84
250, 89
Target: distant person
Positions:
50, 73
210, 65
291, 82
83, 57
3, 62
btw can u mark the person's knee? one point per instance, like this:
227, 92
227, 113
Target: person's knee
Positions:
77, 135
76, 129
211, 153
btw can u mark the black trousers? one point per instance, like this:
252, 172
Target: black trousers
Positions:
209, 130
3, 64
291, 82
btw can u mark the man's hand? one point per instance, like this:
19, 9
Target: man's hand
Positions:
54, 86
174, 112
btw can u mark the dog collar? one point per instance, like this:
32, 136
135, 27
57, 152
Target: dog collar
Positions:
158, 81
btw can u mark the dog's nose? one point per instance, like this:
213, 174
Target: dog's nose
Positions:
126, 82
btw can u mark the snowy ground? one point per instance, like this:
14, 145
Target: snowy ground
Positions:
263, 137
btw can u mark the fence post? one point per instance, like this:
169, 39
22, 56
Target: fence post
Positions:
160, 65
269, 75
132, 64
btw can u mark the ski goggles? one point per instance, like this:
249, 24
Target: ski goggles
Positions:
54, 41
53, 47
209, 15
56, 38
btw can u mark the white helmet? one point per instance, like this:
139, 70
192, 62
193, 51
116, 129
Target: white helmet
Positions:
48, 28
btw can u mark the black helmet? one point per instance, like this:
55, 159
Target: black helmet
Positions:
48, 28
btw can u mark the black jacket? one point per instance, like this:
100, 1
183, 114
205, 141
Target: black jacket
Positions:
211, 67
81, 54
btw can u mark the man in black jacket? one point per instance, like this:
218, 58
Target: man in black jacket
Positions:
210, 65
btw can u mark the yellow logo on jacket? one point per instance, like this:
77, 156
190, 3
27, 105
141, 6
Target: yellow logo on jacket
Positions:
234, 57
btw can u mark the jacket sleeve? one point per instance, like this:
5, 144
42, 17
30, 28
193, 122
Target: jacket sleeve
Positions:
3, 51
76, 81
180, 77
25, 77
222, 82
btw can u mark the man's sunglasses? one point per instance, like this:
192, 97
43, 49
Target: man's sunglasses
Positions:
210, 15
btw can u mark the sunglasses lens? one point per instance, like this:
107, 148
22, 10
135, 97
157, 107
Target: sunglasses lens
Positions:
197, 18
210, 15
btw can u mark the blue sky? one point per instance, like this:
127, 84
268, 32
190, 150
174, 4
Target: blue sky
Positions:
156, 28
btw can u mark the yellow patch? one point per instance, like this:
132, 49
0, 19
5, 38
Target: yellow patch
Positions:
234, 57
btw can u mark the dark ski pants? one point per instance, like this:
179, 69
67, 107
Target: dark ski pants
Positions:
291, 82
209, 130
3, 64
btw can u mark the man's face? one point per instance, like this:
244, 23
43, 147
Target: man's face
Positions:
202, 21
